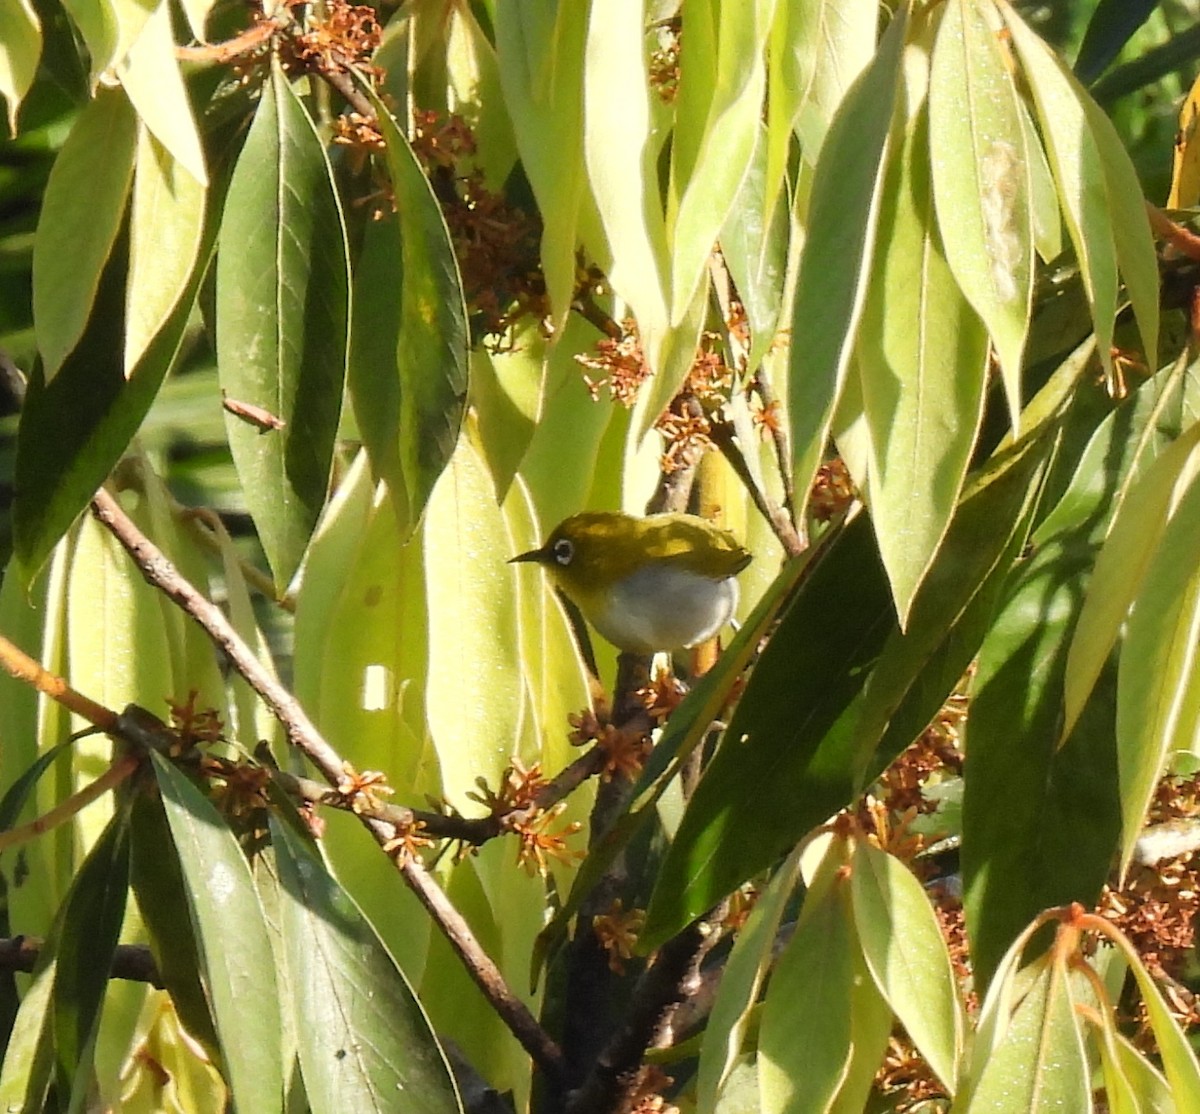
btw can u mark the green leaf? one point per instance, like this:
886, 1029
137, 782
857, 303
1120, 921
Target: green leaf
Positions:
922, 357
150, 76
540, 48
704, 187
86, 940
409, 385
789, 758
20, 49
1137, 528
166, 228
834, 264
1158, 694
804, 1042
920, 667
161, 890
364, 1039
907, 957
817, 49
29, 1057
1079, 174
981, 182
622, 158
109, 28
282, 321
1041, 817
751, 957
470, 594
220, 893
1130, 226
754, 243
1113, 24
1040, 1064
73, 241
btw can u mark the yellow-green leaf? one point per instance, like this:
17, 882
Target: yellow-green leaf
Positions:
20, 48
907, 957
843, 218
73, 241
166, 225
473, 697
1078, 171
922, 359
151, 77
1158, 685
1120, 570
981, 181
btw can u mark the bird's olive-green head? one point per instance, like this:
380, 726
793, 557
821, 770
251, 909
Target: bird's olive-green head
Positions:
653, 583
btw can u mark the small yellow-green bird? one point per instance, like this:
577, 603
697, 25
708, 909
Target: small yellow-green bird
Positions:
646, 584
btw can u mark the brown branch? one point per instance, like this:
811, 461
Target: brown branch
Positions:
486, 975
473, 830
780, 521
302, 733
667, 983
1184, 240
783, 450
61, 813
20, 666
130, 961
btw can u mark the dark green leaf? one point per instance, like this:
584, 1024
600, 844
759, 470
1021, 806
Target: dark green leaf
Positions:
1041, 821
364, 1039
224, 907
161, 891
1112, 25
29, 1057
409, 385
283, 321
18, 793
74, 429
789, 758
86, 942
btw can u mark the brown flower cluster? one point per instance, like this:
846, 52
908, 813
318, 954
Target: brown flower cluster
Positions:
905, 1076
1157, 906
193, 726
664, 61
519, 788
832, 490
362, 792
347, 34
617, 931
539, 841
620, 366
496, 243
937, 751
240, 788
408, 842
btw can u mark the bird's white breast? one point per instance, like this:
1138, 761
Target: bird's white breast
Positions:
664, 607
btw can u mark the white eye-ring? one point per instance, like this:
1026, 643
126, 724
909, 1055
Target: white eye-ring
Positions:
564, 551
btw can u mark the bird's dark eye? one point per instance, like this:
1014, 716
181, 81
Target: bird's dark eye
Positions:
564, 550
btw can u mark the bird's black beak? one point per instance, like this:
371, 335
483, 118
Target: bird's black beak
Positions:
538, 555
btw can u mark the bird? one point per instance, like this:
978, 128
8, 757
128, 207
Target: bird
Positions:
659, 583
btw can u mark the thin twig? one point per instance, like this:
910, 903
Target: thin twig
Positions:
302, 733
19, 665
112, 777
466, 829
1184, 240
761, 385
780, 521
130, 961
